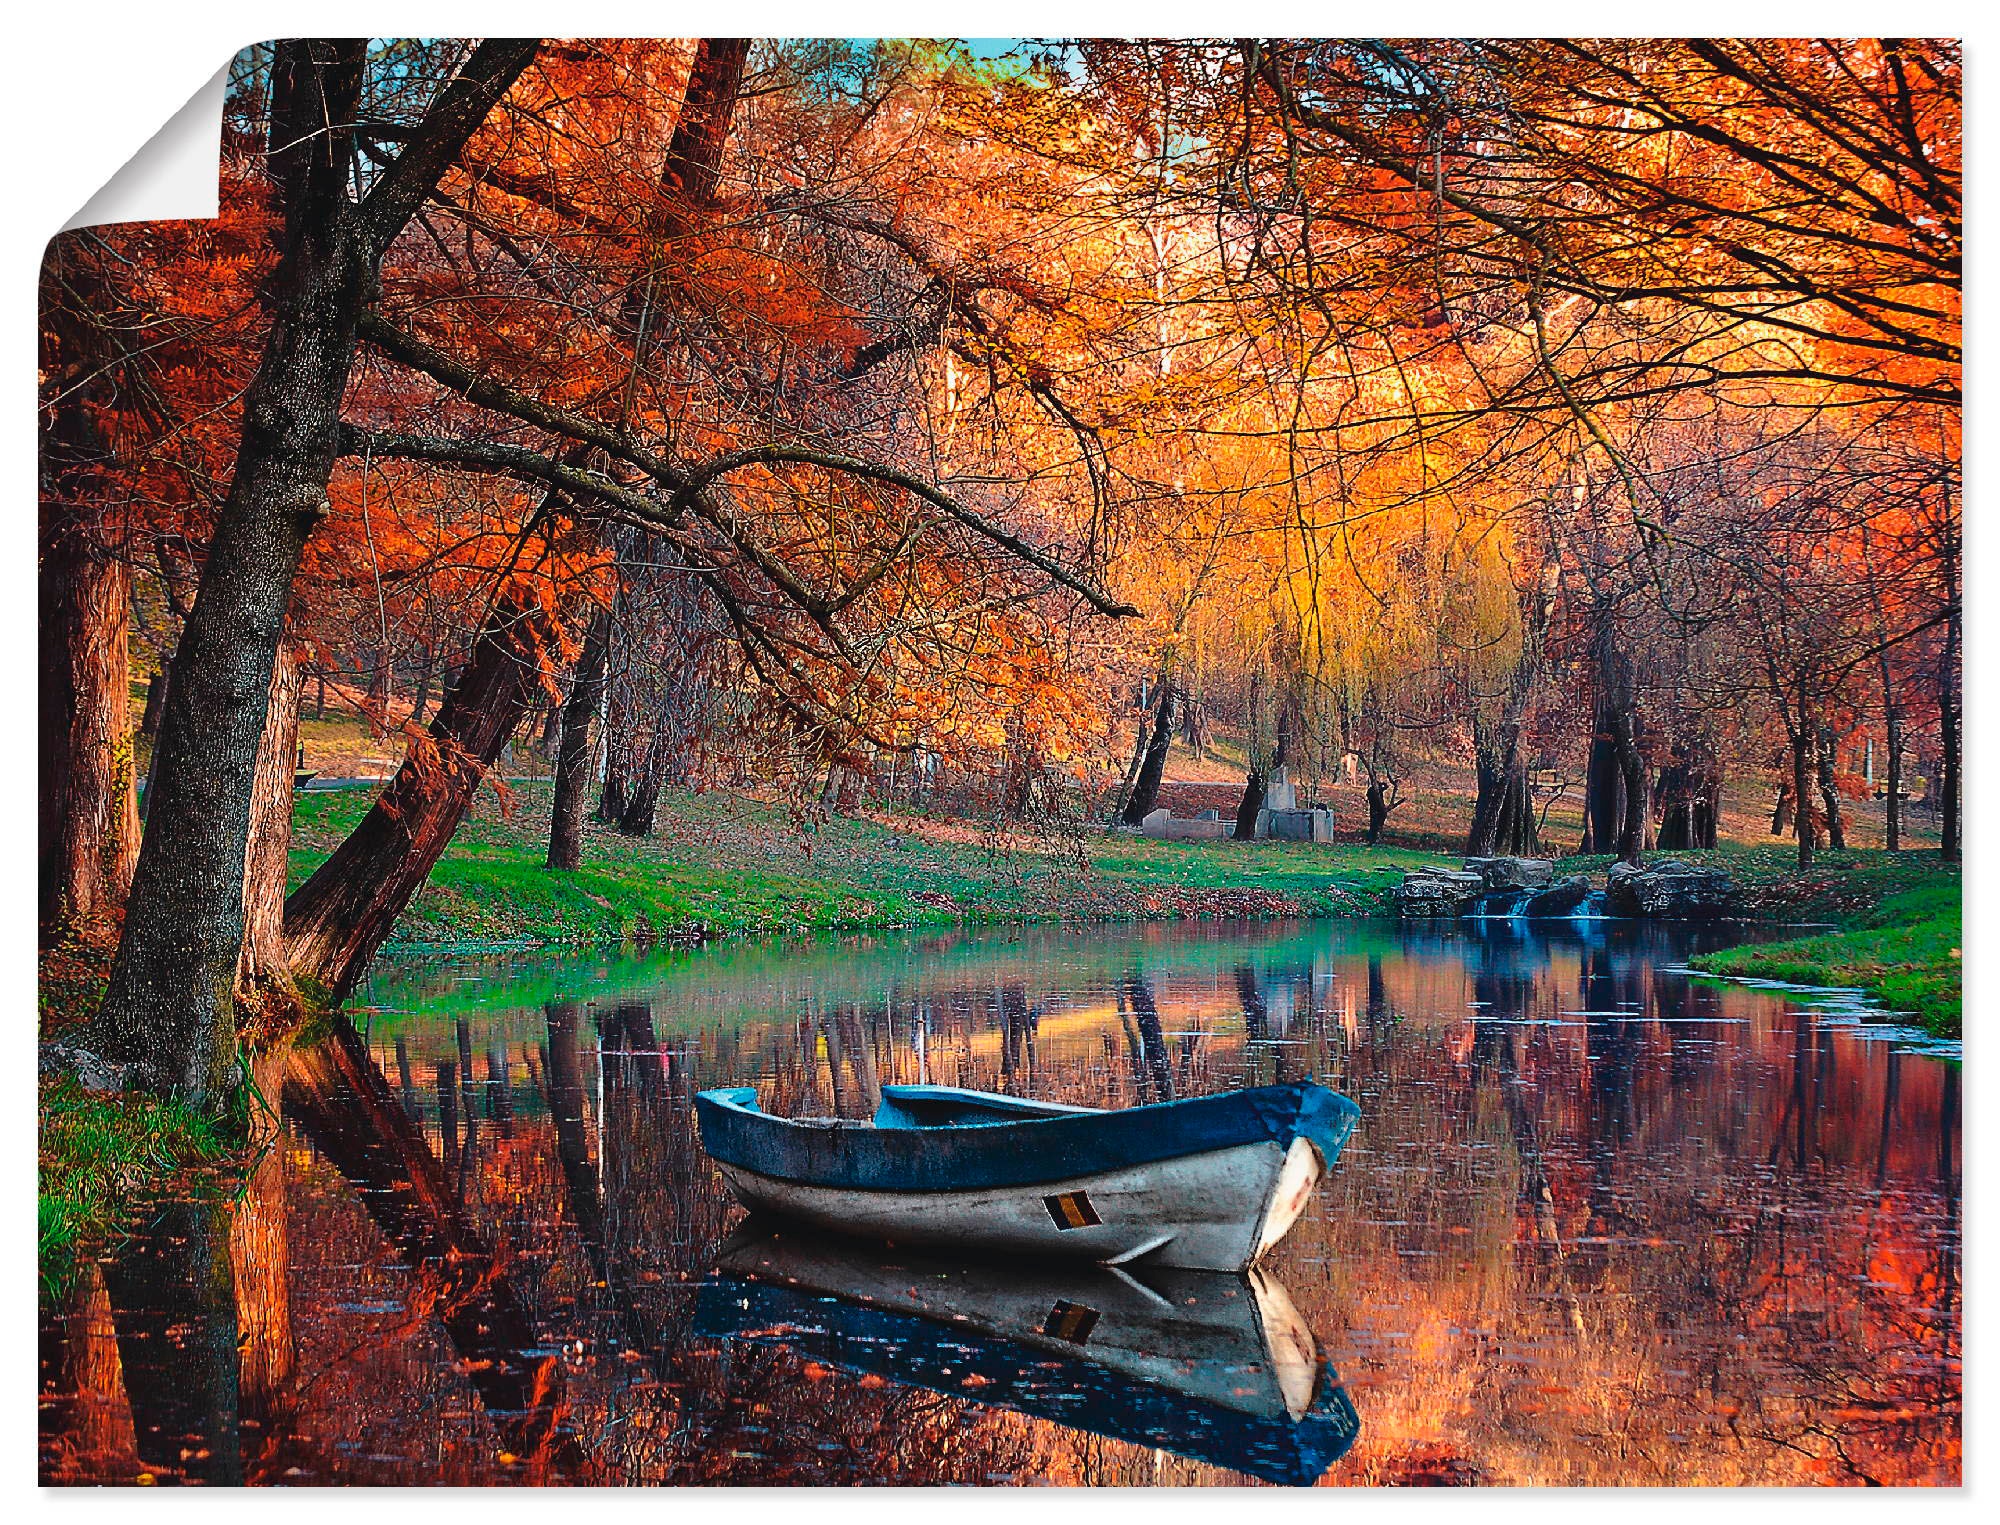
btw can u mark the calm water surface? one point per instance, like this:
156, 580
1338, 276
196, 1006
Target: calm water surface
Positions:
1600, 1224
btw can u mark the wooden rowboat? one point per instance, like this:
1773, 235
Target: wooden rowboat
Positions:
1209, 1183
1211, 1366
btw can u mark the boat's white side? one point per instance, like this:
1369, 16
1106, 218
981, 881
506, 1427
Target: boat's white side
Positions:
1217, 1211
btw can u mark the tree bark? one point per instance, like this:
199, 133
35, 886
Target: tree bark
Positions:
88, 808
1803, 773
1146, 787
636, 820
168, 1009
1603, 788
338, 918
1948, 736
156, 702
1503, 816
263, 968
1829, 791
1688, 795
88, 818
573, 751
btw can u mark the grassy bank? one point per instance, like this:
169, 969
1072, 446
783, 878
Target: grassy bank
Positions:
1905, 951
96, 1155
721, 864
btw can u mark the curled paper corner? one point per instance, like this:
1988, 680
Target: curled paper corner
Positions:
174, 176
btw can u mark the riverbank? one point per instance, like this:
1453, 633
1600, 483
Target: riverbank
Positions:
725, 864
95, 1151
1905, 951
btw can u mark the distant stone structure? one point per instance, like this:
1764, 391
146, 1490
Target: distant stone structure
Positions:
1280, 819
1162, 824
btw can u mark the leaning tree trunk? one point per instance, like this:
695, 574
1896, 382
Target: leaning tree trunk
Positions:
573, 752
169, 1009
339, 917
263, 968
1146, 787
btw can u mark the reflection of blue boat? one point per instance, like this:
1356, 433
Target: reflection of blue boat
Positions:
1210, 1183
1214, 1367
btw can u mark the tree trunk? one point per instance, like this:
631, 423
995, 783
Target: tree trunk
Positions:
263, 968
168, 1009
637, 818
87, 818
1893, 780
1829, 791
1688, 794
1803, 772
156, 702
1378, 810
1146, 787
573, 752
1630, 844
89, 813
339, 917
1248, 807
1603, 789
1503, 816
1948, 735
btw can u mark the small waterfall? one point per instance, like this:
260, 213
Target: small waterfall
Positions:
1499, 905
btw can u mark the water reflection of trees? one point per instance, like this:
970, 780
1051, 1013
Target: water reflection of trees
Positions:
1632, 1247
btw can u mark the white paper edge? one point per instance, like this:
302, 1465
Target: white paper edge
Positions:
174, 176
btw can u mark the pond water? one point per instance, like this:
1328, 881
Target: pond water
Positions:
1600, 1223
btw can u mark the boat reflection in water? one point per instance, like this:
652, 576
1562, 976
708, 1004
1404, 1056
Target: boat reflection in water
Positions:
1212, 1366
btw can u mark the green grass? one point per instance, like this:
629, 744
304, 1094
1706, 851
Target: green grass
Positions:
96, 1155
1905, 951
721, 864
